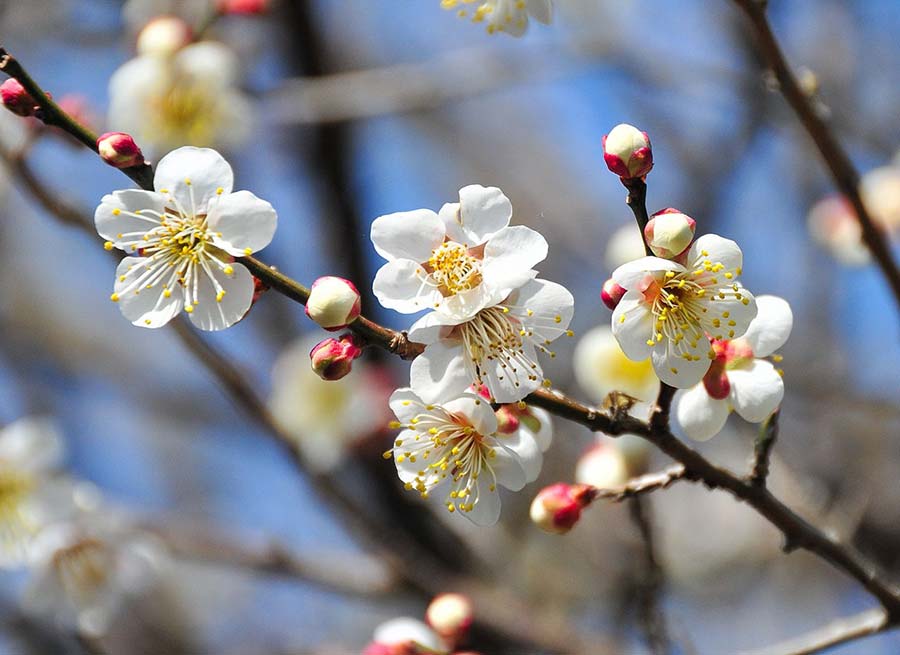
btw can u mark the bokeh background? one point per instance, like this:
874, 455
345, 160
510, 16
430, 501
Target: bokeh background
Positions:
451, 106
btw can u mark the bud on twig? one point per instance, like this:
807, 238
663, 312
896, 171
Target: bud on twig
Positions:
332, 359
611, 293
451, 616
15, 98
557, 508
627, 151
669, 233
119, 150
243, 7
333, 302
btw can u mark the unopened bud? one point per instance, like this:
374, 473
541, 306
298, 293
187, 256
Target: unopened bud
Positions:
507, 419
244, 7
259, 288
611, 293
164, 36
557, 508
451, 616
333, 302
15, 98
669, 233
627, 151
119, 150
332, 359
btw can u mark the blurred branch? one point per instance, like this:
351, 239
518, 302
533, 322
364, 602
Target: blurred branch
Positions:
650, 585
841, 631
845, 175
762, 449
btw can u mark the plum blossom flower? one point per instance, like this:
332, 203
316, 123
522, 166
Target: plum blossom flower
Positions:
187, 98
833, 224
405, 636
456, 449
510, 16
325, 418
183, 236
601, 367
740, 378
670, 309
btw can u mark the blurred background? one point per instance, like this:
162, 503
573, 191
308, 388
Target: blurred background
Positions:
354, 109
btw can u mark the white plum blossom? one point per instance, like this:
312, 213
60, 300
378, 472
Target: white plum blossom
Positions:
182, 239
187, 98
510, 16
325, 418
405, 631
740, 378
601, 367
456, 449
833, 224
671, 311
489, 314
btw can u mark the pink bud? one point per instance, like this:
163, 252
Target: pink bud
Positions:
451, 616
557, 508
611, 293
259, 288
333, 302
507, 419
245, 7
15, 98
119, 150
669, 233
627, 151
332, 359
378, 649
164, 36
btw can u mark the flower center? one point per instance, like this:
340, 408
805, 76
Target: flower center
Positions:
454, 269
184, 113
677, 308
14, 526
493, 335
83, 569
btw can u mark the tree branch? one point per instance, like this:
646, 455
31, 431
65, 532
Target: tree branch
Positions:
851, 628
762, 450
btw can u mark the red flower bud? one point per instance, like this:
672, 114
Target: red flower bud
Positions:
332, 359
15, 98
451, 616
119, 150
333, 302
669, 233
557, 508
627, 151
245, 7
611, 293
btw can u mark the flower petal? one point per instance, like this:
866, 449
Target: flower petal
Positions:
402, 630
466, 304
115, 214
242, 223
398, 285
477, 410
486, 509
756, 390
193, 177
144, 307
407, 235
507, 468
544, 307
510, 255
675, 369
718, 250
734, 314
525, 447
209, 61
439, 372
211, 314
700, 415
600, 366
405, 404
509, 383
544, 435
630, 274
772, 326
430, 328
480, 213
32, 444
632, 325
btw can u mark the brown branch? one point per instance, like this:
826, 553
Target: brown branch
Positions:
851, 628
762, 450
650, 583
644, 484
842, 170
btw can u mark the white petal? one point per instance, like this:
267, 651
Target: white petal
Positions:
600, 366
430, 328
466, 304
718, 249
524, 446
407, 235
632, 325
477, 410
508, 385
510, 255
544, 435
507, 467
110, 224
756, 390
212, 315
398, 286
551, 306
439, 372
31, 444
145, 307
675, 370
630, 274
242, 222
405, 404
700, 415
193, 176
733, 314
486, 510
772, 326
402, 630
210, 62
481, 212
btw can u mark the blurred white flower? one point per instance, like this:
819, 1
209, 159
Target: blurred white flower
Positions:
457, 444
880, 191
405, 636
611, 463
325, 418
625, 245
184, 235
510, 16
670, 309
833, 225
83, 573
740, 378
188, 98
601, 367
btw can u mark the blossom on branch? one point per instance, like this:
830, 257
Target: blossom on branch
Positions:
182, 239
510, 16
740, 378
457, 450
671, 311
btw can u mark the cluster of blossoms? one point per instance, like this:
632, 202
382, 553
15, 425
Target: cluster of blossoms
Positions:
510, 16
488, 317
446, 628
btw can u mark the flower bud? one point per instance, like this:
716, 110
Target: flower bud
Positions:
451, 616
259, 288
611, 293
244, 7
119, 150
507, 419
669, 233
15, 98
557, 508
627, 151
332, 359
333, 302
163, 36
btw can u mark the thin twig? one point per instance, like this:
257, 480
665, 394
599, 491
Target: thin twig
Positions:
650, 585
644, 484
637, 201
851, 628
762, 450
